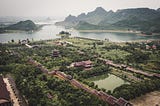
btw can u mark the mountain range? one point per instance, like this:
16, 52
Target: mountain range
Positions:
141, 19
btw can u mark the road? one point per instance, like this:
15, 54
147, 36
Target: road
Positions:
128, 68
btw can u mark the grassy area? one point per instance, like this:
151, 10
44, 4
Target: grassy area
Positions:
115, 54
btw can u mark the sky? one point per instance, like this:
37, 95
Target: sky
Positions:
66, 7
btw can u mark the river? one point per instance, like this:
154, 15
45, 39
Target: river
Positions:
50, 31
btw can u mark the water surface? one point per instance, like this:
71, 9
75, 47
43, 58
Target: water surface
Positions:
108, 81
50, 31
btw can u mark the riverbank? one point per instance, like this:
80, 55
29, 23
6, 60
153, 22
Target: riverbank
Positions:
118, 31
150, 99
153, 34
111, 31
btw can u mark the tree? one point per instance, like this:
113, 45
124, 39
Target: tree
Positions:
12, 40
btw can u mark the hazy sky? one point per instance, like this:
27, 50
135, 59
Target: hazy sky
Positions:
66, 7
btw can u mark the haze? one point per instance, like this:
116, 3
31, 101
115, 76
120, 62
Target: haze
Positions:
65, 7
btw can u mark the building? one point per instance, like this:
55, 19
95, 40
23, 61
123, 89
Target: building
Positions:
154, 47
23, 42
80, 52
5, 99
157, 75
148, 47
122, 102
84, 64
55, 53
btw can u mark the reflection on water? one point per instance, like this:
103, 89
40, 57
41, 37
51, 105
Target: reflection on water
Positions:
108, 81
47, 32
50, 31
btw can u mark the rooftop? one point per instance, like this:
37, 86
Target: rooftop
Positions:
4, 94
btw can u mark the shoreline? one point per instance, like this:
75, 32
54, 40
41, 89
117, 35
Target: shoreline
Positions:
134, 41
118, 31
110, 31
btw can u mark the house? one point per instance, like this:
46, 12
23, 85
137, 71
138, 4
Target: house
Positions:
111, 100
84, 64
87, 64
157, 75
5, 99
49, 96
148, 47
80, 52
123, 102
55, 53
154, 47
78, 64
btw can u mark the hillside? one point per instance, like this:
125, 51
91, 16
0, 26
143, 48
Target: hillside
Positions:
139, 13
87, 26
22, 26
143, 19
93, 17
137, 24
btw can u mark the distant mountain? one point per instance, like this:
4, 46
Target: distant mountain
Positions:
27, 25
140, 13
137, 18
82, 25
93, 17
135, 23
23, 25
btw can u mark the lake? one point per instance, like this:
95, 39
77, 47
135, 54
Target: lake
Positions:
50, 31
108, 81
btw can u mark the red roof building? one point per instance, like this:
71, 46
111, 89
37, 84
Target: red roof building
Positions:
55, 53
123, 102
157, 75
148, 47
111, 100
4, 94
85, 64
154, 47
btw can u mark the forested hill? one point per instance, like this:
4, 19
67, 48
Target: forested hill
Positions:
143, 19
22, 26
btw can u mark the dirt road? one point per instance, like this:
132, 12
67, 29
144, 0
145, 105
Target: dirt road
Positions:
150, 99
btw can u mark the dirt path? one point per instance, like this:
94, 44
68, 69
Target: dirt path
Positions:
150, 99
12, 95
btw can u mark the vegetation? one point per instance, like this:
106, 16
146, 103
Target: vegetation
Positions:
43, 90
141, 19
37, 88
137, 89
63, 32
27, 25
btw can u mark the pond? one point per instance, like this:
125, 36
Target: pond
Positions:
108, 81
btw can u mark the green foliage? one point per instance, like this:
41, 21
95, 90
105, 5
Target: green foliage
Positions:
95, 71
134, 90
141, 19
22, 25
